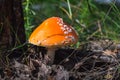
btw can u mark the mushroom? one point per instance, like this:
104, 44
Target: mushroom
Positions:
53, 33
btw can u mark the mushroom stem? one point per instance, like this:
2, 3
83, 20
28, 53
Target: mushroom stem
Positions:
49, 57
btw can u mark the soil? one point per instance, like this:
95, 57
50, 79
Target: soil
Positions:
93, 60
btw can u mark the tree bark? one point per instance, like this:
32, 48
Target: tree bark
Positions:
12, 32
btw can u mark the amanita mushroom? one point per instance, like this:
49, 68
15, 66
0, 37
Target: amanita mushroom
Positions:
53, 33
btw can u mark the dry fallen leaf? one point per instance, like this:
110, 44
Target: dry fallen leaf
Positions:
109, 53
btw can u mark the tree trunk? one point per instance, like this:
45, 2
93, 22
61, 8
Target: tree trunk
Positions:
12, 32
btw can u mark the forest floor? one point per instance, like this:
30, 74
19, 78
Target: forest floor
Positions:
93, 60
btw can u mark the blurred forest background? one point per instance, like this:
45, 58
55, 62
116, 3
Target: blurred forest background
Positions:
91, 18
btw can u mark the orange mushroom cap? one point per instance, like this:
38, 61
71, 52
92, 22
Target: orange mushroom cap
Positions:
53, 32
